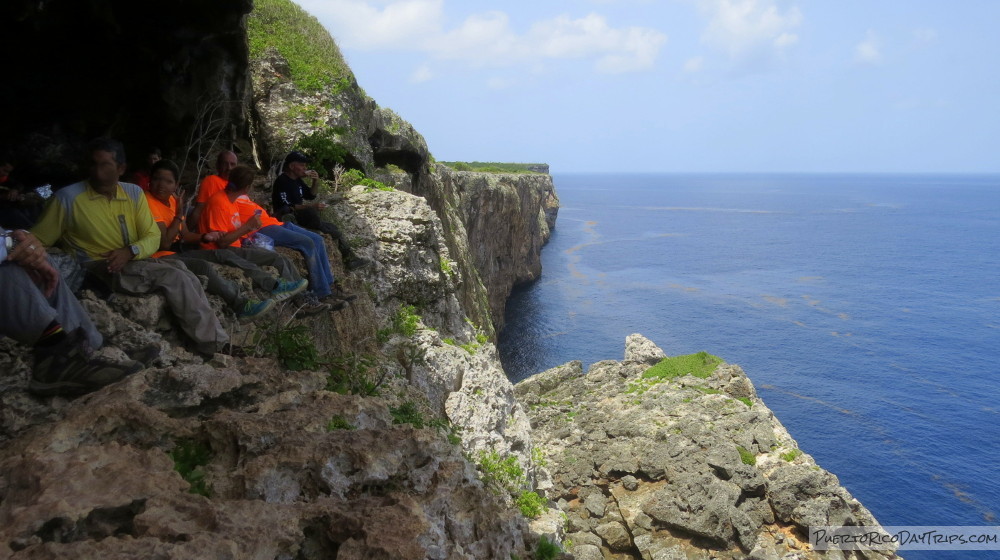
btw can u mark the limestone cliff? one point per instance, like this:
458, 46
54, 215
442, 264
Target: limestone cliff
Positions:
692, 465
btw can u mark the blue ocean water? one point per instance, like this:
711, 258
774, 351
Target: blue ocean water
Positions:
865, 308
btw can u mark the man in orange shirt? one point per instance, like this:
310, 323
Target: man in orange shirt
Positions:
224, 163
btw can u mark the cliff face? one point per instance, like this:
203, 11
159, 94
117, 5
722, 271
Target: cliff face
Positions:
367, 452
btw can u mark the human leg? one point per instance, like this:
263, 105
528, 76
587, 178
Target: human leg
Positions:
27, 313
184, 294
312, 248
228, 290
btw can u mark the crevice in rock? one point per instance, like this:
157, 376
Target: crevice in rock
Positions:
628, 527
99, 524
239, 398
317, 543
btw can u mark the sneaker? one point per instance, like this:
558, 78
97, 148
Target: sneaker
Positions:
288, 288
308, 304
355, 263
253, 308
338, 294
64, 369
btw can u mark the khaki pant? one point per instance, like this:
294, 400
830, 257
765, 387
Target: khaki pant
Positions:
183, 291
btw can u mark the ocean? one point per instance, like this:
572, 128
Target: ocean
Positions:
865, 308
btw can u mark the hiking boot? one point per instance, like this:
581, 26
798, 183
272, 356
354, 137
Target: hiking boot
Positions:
355, 263
65, 369
288, 288
145, 355
253, 308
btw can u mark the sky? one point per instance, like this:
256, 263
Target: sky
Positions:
884, 86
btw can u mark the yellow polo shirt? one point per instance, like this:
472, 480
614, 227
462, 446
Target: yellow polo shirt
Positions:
87, 223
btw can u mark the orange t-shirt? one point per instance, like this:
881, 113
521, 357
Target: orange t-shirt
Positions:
247, 207
164, 214
209, 186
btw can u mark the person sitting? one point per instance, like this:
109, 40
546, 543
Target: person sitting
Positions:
289, 194
224, 163
107, 226
236, 216
37, 309
141, 175
19, 207
163, 204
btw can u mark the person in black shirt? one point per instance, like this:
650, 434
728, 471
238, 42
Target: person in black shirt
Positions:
289, 195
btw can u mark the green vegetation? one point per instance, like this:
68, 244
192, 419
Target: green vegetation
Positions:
338, 422
538, 457
746, 455
314, 60
407, 413
353, 177
791, 455
189, 456
546, 549
324, 148
405, 322
293, 346
531, 504
746, 401
354, 374
446, 266
491, 167
503, 474
700, 365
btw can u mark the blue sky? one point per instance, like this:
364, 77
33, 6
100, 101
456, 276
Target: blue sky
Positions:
686, 85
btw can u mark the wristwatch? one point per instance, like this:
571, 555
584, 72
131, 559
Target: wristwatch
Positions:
135, 250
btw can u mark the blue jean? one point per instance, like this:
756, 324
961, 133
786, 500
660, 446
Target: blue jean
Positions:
312, 247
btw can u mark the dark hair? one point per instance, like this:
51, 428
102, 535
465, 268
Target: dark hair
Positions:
105, 144
169, 166
154, 150
240, 178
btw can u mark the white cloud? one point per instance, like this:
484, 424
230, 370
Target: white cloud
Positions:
743, 28
421, 74
694, 64
365, 24
486, 39
868, 51
924, 35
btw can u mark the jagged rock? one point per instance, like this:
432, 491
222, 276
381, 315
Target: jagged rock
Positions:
665, 462
640, 349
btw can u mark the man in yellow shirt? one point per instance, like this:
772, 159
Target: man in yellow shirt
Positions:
108, 227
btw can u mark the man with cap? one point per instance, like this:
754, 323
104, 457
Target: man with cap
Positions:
288, 198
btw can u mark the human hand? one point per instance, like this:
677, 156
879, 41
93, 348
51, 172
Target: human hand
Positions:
117, 259
45, 277
29, 251
253, 223
211, 236
312, 174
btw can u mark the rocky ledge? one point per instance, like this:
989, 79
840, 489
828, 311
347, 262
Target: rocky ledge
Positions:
677, 466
